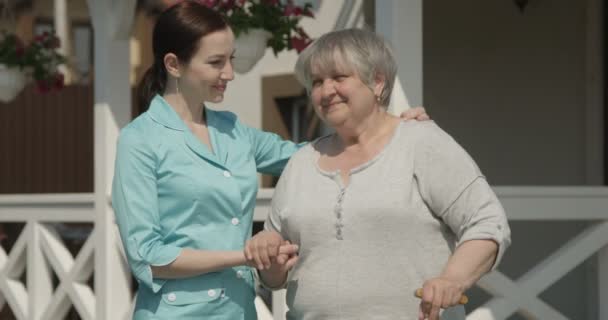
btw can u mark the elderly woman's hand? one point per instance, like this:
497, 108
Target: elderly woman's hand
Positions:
265, 247
286, 258
439, 293
417, 113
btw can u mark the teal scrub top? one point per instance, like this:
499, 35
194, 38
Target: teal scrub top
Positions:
171, 192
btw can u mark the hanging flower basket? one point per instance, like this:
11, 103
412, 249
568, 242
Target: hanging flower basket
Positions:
250, 48
12, 81
261, 24
37, 61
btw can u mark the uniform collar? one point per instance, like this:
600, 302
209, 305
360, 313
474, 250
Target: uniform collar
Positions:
161, 112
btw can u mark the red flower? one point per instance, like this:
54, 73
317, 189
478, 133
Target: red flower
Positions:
43, 86
227, 4
58, 82
52, 43
300, 43
289, 10
19, 47
208, 3
302, 33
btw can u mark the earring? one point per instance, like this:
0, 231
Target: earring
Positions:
177, 85
377, 98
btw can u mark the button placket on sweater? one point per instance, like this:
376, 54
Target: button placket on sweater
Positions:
338, 210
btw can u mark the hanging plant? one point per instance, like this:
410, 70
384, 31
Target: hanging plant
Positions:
261, 24
280, 18
38, 60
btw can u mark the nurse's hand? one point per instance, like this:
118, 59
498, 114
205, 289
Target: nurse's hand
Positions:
266, 246
276, 275
417, 113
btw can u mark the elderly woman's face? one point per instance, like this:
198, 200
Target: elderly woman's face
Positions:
339, 96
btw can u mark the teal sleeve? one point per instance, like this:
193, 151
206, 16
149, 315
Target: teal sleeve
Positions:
135, 203
271, 152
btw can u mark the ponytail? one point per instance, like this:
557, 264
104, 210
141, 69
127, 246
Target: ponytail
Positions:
151, 84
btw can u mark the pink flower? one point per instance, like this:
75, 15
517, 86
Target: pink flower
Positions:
300, 43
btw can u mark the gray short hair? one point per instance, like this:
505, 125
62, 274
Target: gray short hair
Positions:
363, 51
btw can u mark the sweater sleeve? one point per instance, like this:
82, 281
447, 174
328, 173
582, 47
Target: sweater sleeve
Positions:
455, 190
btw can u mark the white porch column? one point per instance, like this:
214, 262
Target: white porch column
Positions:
62, 27
112, 21
603, 283
400, 23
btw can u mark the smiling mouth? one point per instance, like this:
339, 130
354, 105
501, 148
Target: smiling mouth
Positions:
330, 105
221, 88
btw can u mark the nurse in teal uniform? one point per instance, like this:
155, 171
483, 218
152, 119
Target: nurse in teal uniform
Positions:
185, 178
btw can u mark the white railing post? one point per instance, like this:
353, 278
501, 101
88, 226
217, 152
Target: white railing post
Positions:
112, 22
39, 275
602, 296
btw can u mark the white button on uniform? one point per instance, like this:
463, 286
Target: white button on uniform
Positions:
239, 274
171, 297
227, 174
235, 221
211, 293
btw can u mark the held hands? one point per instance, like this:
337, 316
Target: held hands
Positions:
268, 251
417, 113
438, 293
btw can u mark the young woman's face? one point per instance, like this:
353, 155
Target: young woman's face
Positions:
210, 68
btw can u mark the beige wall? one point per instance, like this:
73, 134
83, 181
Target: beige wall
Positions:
510, 86
512, 89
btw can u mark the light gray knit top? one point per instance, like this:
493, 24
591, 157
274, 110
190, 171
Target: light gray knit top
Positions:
365, 248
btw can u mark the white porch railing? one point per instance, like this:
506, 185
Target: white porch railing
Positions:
39, 252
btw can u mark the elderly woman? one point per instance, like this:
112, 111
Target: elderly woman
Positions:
379, 208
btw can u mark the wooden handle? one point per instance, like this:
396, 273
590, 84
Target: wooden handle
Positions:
463, 299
